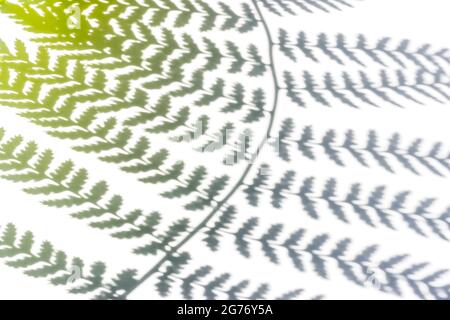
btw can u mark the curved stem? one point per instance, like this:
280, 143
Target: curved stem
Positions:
244, 175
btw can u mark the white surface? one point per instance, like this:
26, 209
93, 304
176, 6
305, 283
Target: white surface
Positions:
423, 21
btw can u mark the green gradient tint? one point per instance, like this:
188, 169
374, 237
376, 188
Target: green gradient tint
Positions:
163, 92
76, 20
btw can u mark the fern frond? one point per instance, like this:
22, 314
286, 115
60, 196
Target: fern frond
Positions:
411, 157
203, 281
312, 252
372, 211
64, 186
212, 191
114, 289
49, 263
360, 52
282, 7
213, 234
171, 235
362, 90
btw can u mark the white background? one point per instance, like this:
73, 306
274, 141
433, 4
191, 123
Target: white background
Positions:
423, 21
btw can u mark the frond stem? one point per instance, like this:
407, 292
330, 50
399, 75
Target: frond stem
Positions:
246, 172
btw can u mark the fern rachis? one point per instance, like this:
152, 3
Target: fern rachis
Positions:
153, 88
